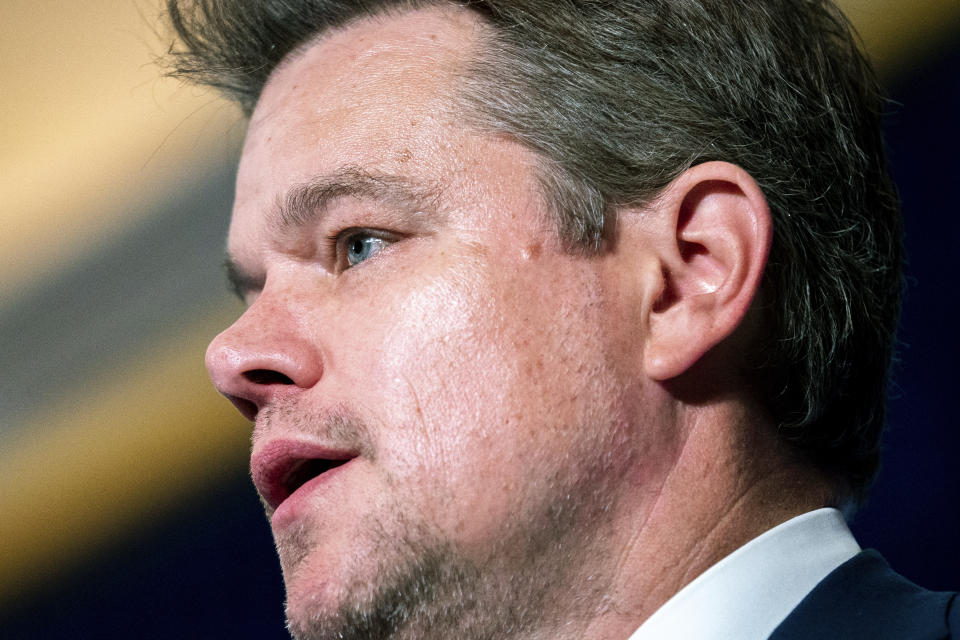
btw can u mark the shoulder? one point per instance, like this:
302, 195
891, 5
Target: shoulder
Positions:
864, 598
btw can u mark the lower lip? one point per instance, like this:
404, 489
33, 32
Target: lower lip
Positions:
298, 503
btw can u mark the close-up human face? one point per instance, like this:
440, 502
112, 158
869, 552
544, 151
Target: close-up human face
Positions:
430, 372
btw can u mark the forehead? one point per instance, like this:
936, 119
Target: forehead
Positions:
387, 79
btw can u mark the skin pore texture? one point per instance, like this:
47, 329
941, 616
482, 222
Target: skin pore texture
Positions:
533, 452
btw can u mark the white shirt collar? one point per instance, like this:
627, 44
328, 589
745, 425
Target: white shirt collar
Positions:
748, 594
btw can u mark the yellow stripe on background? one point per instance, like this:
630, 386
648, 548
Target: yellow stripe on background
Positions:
89, 132
97, 466
897, 33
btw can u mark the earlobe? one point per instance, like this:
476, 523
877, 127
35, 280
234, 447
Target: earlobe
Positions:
719, 231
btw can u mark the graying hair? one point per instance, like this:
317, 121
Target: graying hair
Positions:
618, 99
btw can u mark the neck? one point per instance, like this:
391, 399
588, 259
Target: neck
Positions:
730, 481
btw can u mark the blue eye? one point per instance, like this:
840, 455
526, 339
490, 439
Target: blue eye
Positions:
361, 246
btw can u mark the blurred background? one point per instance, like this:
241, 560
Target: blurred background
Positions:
125, 505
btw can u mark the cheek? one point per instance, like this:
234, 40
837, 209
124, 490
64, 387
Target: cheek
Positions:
495, 386
485, 385
420, 357
445, 353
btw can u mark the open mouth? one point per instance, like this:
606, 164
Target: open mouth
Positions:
281, 468
304, 471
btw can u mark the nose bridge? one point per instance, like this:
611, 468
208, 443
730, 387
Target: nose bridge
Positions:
263, 354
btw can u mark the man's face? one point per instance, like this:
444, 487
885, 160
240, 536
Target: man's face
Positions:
411, 312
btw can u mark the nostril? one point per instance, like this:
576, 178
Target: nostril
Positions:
266, 377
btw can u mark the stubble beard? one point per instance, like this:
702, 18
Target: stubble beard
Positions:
539, 577
429, 590
432, 594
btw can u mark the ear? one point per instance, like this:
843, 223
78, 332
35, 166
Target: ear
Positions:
715, 233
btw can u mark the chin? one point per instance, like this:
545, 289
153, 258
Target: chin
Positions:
398, 588
327, 598
321, 580
314, 589
335, 587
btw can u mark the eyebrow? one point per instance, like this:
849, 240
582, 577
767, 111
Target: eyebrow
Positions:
307, 202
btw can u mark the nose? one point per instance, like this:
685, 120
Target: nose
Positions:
263, 356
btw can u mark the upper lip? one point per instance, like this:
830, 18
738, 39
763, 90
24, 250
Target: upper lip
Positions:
280, 467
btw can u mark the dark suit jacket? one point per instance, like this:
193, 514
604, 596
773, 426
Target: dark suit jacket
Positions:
864, 599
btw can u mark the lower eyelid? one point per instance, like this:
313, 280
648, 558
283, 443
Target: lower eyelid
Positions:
344, 238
